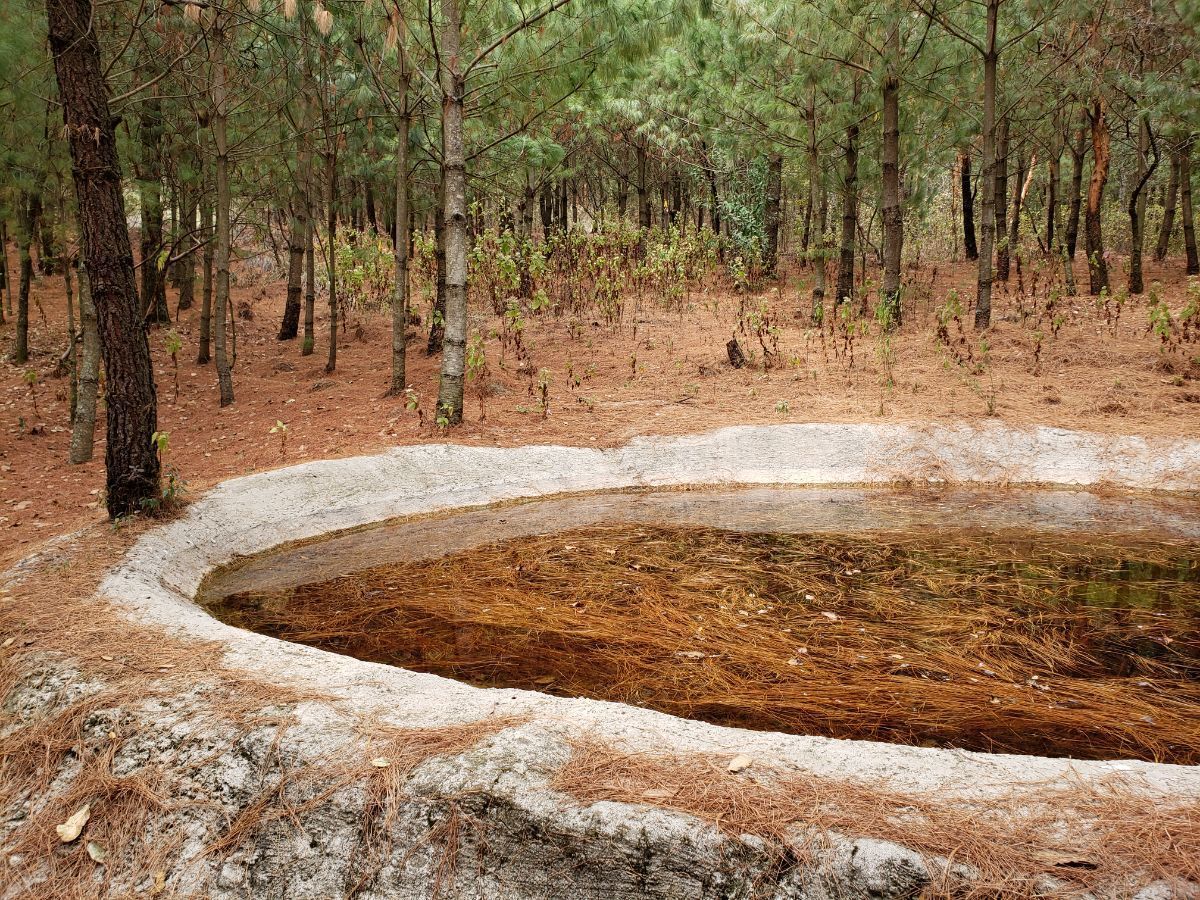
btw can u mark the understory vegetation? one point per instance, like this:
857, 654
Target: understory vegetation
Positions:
468, 169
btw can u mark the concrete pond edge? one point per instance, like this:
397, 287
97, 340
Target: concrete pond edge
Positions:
675, 856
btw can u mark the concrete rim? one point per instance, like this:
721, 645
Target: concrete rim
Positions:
158, 579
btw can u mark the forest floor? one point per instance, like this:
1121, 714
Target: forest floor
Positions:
662, 372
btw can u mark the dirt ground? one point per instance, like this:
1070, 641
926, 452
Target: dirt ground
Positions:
661, 372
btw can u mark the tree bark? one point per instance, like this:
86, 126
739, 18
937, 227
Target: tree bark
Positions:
845, 276
821, 212
1001, 200
83, 429
5, 277
1097, 264
1020, 183
20, 350
1168, 221
970, 248
131, 458
983, 297
643, 190
893, 214
154, 285
1078, 154
1137, 204
437, 323
221, 145
203, 352
400, 292
310, 285
186, 267
450, 385
1053, 199
331, 205
774, 189
1185, 208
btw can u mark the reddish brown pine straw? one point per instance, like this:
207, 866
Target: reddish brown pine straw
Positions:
927, 639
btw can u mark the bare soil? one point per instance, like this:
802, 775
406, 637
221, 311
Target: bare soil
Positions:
664, 371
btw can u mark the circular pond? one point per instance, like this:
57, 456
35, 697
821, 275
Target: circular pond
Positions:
1039, 622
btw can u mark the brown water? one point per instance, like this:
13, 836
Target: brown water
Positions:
1078, 636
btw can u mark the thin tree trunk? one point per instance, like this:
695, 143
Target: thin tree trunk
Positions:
1137, 204
331, 204
1053, 185
845, 276
221, 313
1185, 208
72, 335
20, 351
643, 191
400, 293
1078, 154
987, 231
969, 240
893, 215
131, 458
186, 267
1097, 264
450, 385
1001, 200
83, 429
310, 284
154, 289
5, 277
437, 324
1020, 185
771, 213
1168, 221
203, 353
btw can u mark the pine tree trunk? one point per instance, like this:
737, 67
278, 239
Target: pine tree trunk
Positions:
987, 230
221, 311
150, 129
186, 267
969, 239
1018, 201
1168, 221
83, 429
845, 276
450, 385
1185, 208
643, 191
774, 189
20, 350
1137, 206
5, 278
1001, 200
72, 358
331, 205
1097, 264
1053, 185
297, 231
310, 284
437, 324
821, 211
893, 215
203, 353
131, 458
403, 230
1078, 154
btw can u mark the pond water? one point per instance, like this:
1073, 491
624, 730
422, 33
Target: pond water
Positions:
1048, 622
